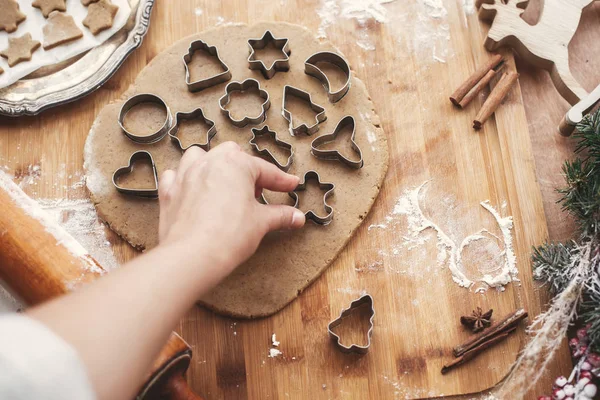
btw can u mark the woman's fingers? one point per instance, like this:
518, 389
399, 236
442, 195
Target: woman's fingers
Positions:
165, 183
268, 176
281, 217
190, 156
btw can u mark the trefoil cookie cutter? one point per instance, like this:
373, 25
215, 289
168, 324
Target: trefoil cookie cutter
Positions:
311, 68
305, 96
266, 131
201, 84
353, 348
241, 87
280, 64
189, 116
145, 98
138, 155
348, 120
327, 187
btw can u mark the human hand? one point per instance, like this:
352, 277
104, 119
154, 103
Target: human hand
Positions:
208, 206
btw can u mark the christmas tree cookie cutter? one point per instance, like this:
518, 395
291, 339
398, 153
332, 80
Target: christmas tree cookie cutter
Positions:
348, 120
311, 68
145, 98
200, 84
327, 187
265, 131
137, 156
242, 87
353, 348
305, 96
280, 64
190, 116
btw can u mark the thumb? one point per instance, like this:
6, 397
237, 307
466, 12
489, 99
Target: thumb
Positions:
281, 217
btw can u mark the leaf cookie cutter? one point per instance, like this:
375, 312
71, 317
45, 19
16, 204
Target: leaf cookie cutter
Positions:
305, 96
353, 348
189, 116
265, 131
241, 87
145, 98
281, 64
138, 155
328, 187
310, 68
335, 154
207, 82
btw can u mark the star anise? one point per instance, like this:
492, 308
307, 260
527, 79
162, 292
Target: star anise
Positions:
478, 320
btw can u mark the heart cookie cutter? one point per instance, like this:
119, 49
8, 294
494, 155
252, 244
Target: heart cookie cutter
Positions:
242, 87
311, 68
305, 96
348, 120
265, 131
138, 155
281, 64
189, 116
328, 187
145, 98
353, 348
201, 84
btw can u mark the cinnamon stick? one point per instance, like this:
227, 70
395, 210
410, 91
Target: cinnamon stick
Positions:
467, 85
503, 326
495, 98
477, 88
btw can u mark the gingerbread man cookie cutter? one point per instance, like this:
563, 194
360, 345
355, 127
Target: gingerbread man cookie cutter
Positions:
353, 348
265, 131
201, 84
145, 98
190, 116
280, 64
327, 187
137, 156
311, 68
305, 96
242, 87
348, 120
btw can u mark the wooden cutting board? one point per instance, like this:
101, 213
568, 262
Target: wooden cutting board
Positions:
410, 63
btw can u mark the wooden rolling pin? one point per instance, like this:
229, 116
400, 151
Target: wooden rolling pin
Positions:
39, 260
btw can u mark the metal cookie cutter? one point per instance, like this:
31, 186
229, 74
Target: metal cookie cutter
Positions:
353, 348
265, 131
145, 98
196, 114
327, 187
335, 154
243, 86
281, 64
207, 82
138, 155
310, 68
305, 96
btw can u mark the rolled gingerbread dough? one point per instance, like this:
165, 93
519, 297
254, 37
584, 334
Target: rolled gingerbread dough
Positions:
286, 262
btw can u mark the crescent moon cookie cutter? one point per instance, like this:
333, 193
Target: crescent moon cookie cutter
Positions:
189, 116
305, 96
348, 120
353, 348
266, 131
311, 68
327, 187
242, 87
280, 64
139, 99
205, 83
137, 156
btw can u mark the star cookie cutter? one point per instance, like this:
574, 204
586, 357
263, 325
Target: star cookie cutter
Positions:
265, 131
310, 214
241, 87
189, 116
305, 96
281, 64
145, 98
348, 120
201, 84
353, 348
310, 68
138, 155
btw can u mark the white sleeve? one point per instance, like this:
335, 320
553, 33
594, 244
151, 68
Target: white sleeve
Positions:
35, 363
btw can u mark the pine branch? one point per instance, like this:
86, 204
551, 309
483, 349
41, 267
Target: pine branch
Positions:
591, 312
552, 263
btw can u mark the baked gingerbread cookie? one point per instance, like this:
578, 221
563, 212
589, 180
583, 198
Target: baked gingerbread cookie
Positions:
60, 29
11, 15
20, 49
47, 6
100, 16
88, 2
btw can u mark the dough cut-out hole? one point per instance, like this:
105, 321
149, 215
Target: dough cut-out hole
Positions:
140, 177
267, 142
354, 328
144, 119
203, 65
342, 143
312, 199
336, 76
245, 103
301, 111
192, 131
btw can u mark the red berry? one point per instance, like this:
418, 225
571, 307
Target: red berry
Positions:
582, 334
544, 398
585, 375
574, 343
594, 359
560, 382
586, 366
558, 394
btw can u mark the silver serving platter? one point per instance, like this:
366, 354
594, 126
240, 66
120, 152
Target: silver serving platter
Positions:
72, 79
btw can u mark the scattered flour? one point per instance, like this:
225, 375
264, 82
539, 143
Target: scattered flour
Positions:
274, 353
468, 7
274, 341
198, 11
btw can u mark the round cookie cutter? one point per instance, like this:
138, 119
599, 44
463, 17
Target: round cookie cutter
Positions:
145, 98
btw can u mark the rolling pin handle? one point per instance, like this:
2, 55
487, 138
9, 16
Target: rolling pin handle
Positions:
177, 388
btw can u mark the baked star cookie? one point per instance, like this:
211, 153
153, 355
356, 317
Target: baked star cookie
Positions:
100, 16
60, 29
20, 49
11, 15
47, 6
88, 2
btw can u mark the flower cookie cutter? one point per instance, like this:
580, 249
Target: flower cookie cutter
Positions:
305, 96
266, 131
348, 120
189, 116
139, 99
280, 64
137, 156
201, 84
242, 87
311, 68
327, 187
353, 348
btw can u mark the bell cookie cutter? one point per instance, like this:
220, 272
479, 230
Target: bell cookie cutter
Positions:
310, 68
353, 348
241, 87
145, 98
335, 154
327, 187
189, 116
207, 82
265, 131
280, 64
138, 155
305, 96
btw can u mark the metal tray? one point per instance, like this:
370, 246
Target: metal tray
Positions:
72, 79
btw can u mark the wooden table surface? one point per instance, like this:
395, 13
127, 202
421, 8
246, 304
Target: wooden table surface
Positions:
54, 142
